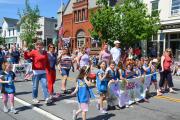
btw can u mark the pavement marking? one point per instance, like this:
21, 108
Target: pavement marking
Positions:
40, 111
168, 98
75, 101
71, 79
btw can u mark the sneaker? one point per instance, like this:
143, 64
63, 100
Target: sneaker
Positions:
5, 109
103, 111
13, 111
48, 100
51, 97
35, 100
172, 91
127, 106
74, 115
98, 106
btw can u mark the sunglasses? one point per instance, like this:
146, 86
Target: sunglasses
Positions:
51, 47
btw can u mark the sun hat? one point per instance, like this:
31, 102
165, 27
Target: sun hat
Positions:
154, 60
117, 42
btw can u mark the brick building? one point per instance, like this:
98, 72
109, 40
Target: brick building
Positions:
76, 23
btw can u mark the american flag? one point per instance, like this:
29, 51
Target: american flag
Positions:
61, 31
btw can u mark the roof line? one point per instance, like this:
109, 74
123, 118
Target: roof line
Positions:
66, 5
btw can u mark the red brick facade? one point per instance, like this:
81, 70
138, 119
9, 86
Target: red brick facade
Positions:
78, 22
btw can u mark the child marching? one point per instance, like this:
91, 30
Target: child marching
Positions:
102, 86
8, 87
83, 93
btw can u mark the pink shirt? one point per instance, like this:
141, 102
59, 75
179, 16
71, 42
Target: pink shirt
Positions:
105, 56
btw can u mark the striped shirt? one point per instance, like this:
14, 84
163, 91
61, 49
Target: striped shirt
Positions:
66, 62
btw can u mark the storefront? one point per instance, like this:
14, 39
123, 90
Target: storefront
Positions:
168, 37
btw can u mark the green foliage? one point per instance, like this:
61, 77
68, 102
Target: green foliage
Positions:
128, 22
1, 41
28, 23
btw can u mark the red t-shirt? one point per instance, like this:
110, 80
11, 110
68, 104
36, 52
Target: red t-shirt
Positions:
137, 51
167, 62
39, 61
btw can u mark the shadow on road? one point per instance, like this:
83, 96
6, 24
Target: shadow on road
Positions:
102, 117
23, 108
23, 93
176, 89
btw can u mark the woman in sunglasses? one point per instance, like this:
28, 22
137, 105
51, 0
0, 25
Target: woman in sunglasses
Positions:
51, 73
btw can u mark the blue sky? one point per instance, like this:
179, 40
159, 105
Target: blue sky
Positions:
48, 8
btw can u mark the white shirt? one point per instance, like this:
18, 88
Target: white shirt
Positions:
116, 54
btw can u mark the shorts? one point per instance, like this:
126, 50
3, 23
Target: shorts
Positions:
84, 106
102, 92
153, 80
65, 72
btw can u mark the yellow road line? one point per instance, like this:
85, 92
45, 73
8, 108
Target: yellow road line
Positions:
168, 98
70, 78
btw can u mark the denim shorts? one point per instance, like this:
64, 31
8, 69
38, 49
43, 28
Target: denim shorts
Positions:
65, 72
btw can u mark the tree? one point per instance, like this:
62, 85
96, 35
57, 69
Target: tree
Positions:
102, 21
1, 41
128, 22
29, 23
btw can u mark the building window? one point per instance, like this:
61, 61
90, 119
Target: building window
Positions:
13, 31
154, 10
174, 36
75, 16
175, 8
83, 15
155, 37
4, 33
80, 39
80, 15
55, 25
9, 32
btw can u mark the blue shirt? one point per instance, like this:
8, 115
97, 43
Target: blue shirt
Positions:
101, 84
148, 71
8, 88
83, 93
112, 73
129, 74
154, 74
52, 60
15, 55
2, 55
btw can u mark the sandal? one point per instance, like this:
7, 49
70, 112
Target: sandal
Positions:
159, 94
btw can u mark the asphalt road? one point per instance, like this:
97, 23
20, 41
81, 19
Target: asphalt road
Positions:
159, 108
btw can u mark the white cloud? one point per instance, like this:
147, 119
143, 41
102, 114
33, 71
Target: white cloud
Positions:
12, 1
